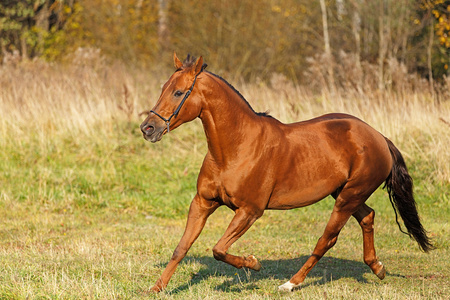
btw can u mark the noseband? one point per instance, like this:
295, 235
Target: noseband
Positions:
175, 113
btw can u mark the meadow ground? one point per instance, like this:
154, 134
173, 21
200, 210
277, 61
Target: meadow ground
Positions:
88, 209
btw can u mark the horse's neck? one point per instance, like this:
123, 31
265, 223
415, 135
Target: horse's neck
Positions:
228, 121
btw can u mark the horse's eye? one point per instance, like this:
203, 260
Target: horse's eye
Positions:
178, 93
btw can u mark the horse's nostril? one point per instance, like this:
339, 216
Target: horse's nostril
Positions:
147, 129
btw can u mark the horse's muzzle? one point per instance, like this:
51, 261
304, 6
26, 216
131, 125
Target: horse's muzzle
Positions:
152, 132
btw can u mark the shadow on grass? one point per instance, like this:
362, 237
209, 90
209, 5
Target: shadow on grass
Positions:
327, 269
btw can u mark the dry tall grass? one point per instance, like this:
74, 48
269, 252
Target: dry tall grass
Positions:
89, 98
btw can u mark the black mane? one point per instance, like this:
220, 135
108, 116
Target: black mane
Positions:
189, 62
264, 114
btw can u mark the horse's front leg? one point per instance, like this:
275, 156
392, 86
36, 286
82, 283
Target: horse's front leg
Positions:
242, 220
199, 212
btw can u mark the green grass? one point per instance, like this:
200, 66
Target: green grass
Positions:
88, 218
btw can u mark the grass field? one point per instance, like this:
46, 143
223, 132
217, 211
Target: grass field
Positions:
89, 209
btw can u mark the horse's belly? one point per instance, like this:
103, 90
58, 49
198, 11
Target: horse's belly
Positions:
298, 195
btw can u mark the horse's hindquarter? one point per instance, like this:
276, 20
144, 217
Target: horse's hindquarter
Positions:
319, 156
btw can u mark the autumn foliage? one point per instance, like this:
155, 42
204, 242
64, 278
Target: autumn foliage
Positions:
243, 39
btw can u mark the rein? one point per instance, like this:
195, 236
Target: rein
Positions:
175, 113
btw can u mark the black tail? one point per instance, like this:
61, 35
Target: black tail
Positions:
400, 188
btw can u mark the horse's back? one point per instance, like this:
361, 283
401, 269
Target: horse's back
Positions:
340, 128
332, 118
344, 136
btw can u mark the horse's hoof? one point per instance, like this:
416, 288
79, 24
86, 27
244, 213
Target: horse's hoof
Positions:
256, 265
382, 273
156, 289
288, 286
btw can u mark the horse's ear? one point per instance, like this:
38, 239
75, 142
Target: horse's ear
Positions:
176, 61
198, 65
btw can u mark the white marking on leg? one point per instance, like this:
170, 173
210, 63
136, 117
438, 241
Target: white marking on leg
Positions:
288, 286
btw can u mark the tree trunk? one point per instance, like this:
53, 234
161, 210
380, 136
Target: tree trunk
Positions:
42, 22
430, 46
405, 34
356, 27
381, 46
163, 31
2, 56
139, 5
328, 56
23, 47
340, 9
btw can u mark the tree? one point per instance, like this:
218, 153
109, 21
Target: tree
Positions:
26, 24
441, 12
15, 20
163, 30
382, 43
328, 55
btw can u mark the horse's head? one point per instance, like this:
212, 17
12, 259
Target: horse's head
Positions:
179, 101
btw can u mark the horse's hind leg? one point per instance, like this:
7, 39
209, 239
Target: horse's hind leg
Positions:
349, 200
365, 217
337, 220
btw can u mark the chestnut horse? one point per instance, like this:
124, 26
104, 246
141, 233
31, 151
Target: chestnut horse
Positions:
254, 162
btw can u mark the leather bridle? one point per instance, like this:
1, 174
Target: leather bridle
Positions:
175, 113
